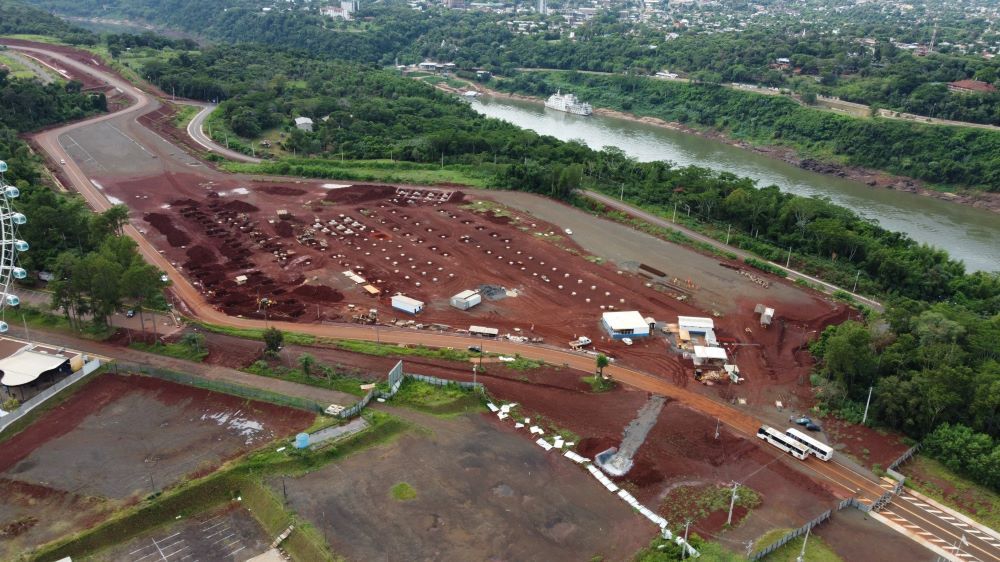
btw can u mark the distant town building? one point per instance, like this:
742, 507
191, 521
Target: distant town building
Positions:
304, 124
971, 87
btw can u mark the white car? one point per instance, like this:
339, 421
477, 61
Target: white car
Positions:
627, 341
570, 232
63, 162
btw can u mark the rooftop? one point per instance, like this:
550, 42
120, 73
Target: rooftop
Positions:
625, 320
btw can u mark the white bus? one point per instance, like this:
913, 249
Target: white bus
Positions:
783, 442
821, 451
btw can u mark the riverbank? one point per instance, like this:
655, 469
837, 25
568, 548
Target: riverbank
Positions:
875, 179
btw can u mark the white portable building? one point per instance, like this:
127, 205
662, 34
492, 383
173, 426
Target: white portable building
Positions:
703, 355
625, 324
466, 299
406, 304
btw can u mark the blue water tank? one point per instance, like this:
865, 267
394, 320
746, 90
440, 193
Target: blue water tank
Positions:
302, 441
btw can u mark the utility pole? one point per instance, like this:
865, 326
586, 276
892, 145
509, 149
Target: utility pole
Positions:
728, 232
717, 424
732, 504
675, 213
27, 334
789, 260
622, 196
802, 554
856, 277
684, 547
865, 417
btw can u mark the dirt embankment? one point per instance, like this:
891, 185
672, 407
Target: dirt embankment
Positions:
870, 177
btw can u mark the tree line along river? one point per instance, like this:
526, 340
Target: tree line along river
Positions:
967, 233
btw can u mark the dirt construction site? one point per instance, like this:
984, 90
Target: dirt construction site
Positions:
323, 252
117, 439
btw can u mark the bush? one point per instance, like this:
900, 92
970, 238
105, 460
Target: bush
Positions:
765, 266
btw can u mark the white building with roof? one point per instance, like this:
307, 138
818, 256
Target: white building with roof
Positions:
625, 324
466, 299
304, 124
704, 355
696, 326
406, 304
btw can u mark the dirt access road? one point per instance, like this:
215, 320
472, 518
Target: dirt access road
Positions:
160, 156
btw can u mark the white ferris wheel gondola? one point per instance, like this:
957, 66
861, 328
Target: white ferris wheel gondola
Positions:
10, 244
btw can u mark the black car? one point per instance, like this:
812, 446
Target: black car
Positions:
130, 313
475, 349
813, 427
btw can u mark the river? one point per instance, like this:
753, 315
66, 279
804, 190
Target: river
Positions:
969, 234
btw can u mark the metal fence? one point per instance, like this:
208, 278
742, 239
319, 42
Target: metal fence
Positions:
792, 535
220, 386
37, 400
444, 382
904, 457
396, 378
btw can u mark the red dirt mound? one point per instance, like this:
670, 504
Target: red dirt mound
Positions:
175, 236
282, 190
318, 292
200, 256
240, 207
361, 193
284, 229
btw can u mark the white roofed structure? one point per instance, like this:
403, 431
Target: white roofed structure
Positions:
693, 323
27, 365
624, 324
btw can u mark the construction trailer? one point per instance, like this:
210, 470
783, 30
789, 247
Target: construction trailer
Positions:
704, 355
406, 304
694, 327
466, 299
625, 324
766, 314
484, 331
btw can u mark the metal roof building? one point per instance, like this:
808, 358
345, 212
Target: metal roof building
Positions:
625, 324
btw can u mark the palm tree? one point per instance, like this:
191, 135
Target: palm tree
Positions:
602, 362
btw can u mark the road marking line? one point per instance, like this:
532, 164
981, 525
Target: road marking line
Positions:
233, 553
934, 511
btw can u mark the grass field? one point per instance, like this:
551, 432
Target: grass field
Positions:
17, 70
367, 170
176, 350
403, 492
816, 549
933, 479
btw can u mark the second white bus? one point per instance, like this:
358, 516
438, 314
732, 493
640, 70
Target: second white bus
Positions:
821, 451
783, 442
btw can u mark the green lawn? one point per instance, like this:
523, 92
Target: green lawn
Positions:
365, 170
438, 400
185, 113
17, 70
176, 350
929, 477
403, 492
816, 549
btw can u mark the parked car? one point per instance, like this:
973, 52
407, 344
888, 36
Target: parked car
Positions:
475, 349
130, 313
813, 427
802, 421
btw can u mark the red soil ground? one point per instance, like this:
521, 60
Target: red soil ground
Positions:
106, 389
429, 245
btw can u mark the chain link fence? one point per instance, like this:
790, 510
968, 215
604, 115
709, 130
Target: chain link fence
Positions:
219, 386
792, 535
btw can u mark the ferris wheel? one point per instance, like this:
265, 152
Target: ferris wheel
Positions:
10, 245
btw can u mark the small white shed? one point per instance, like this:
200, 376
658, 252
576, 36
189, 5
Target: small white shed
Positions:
625, 324
406, 304
304, 124
466, 299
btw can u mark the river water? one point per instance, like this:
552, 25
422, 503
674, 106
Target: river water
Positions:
969, 234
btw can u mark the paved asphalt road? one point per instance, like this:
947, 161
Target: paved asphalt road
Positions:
931, 529
196, 131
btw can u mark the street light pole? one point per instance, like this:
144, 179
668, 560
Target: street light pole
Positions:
802, 554
865, 417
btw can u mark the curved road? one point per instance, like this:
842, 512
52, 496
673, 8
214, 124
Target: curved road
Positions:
934, 530
196, 131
